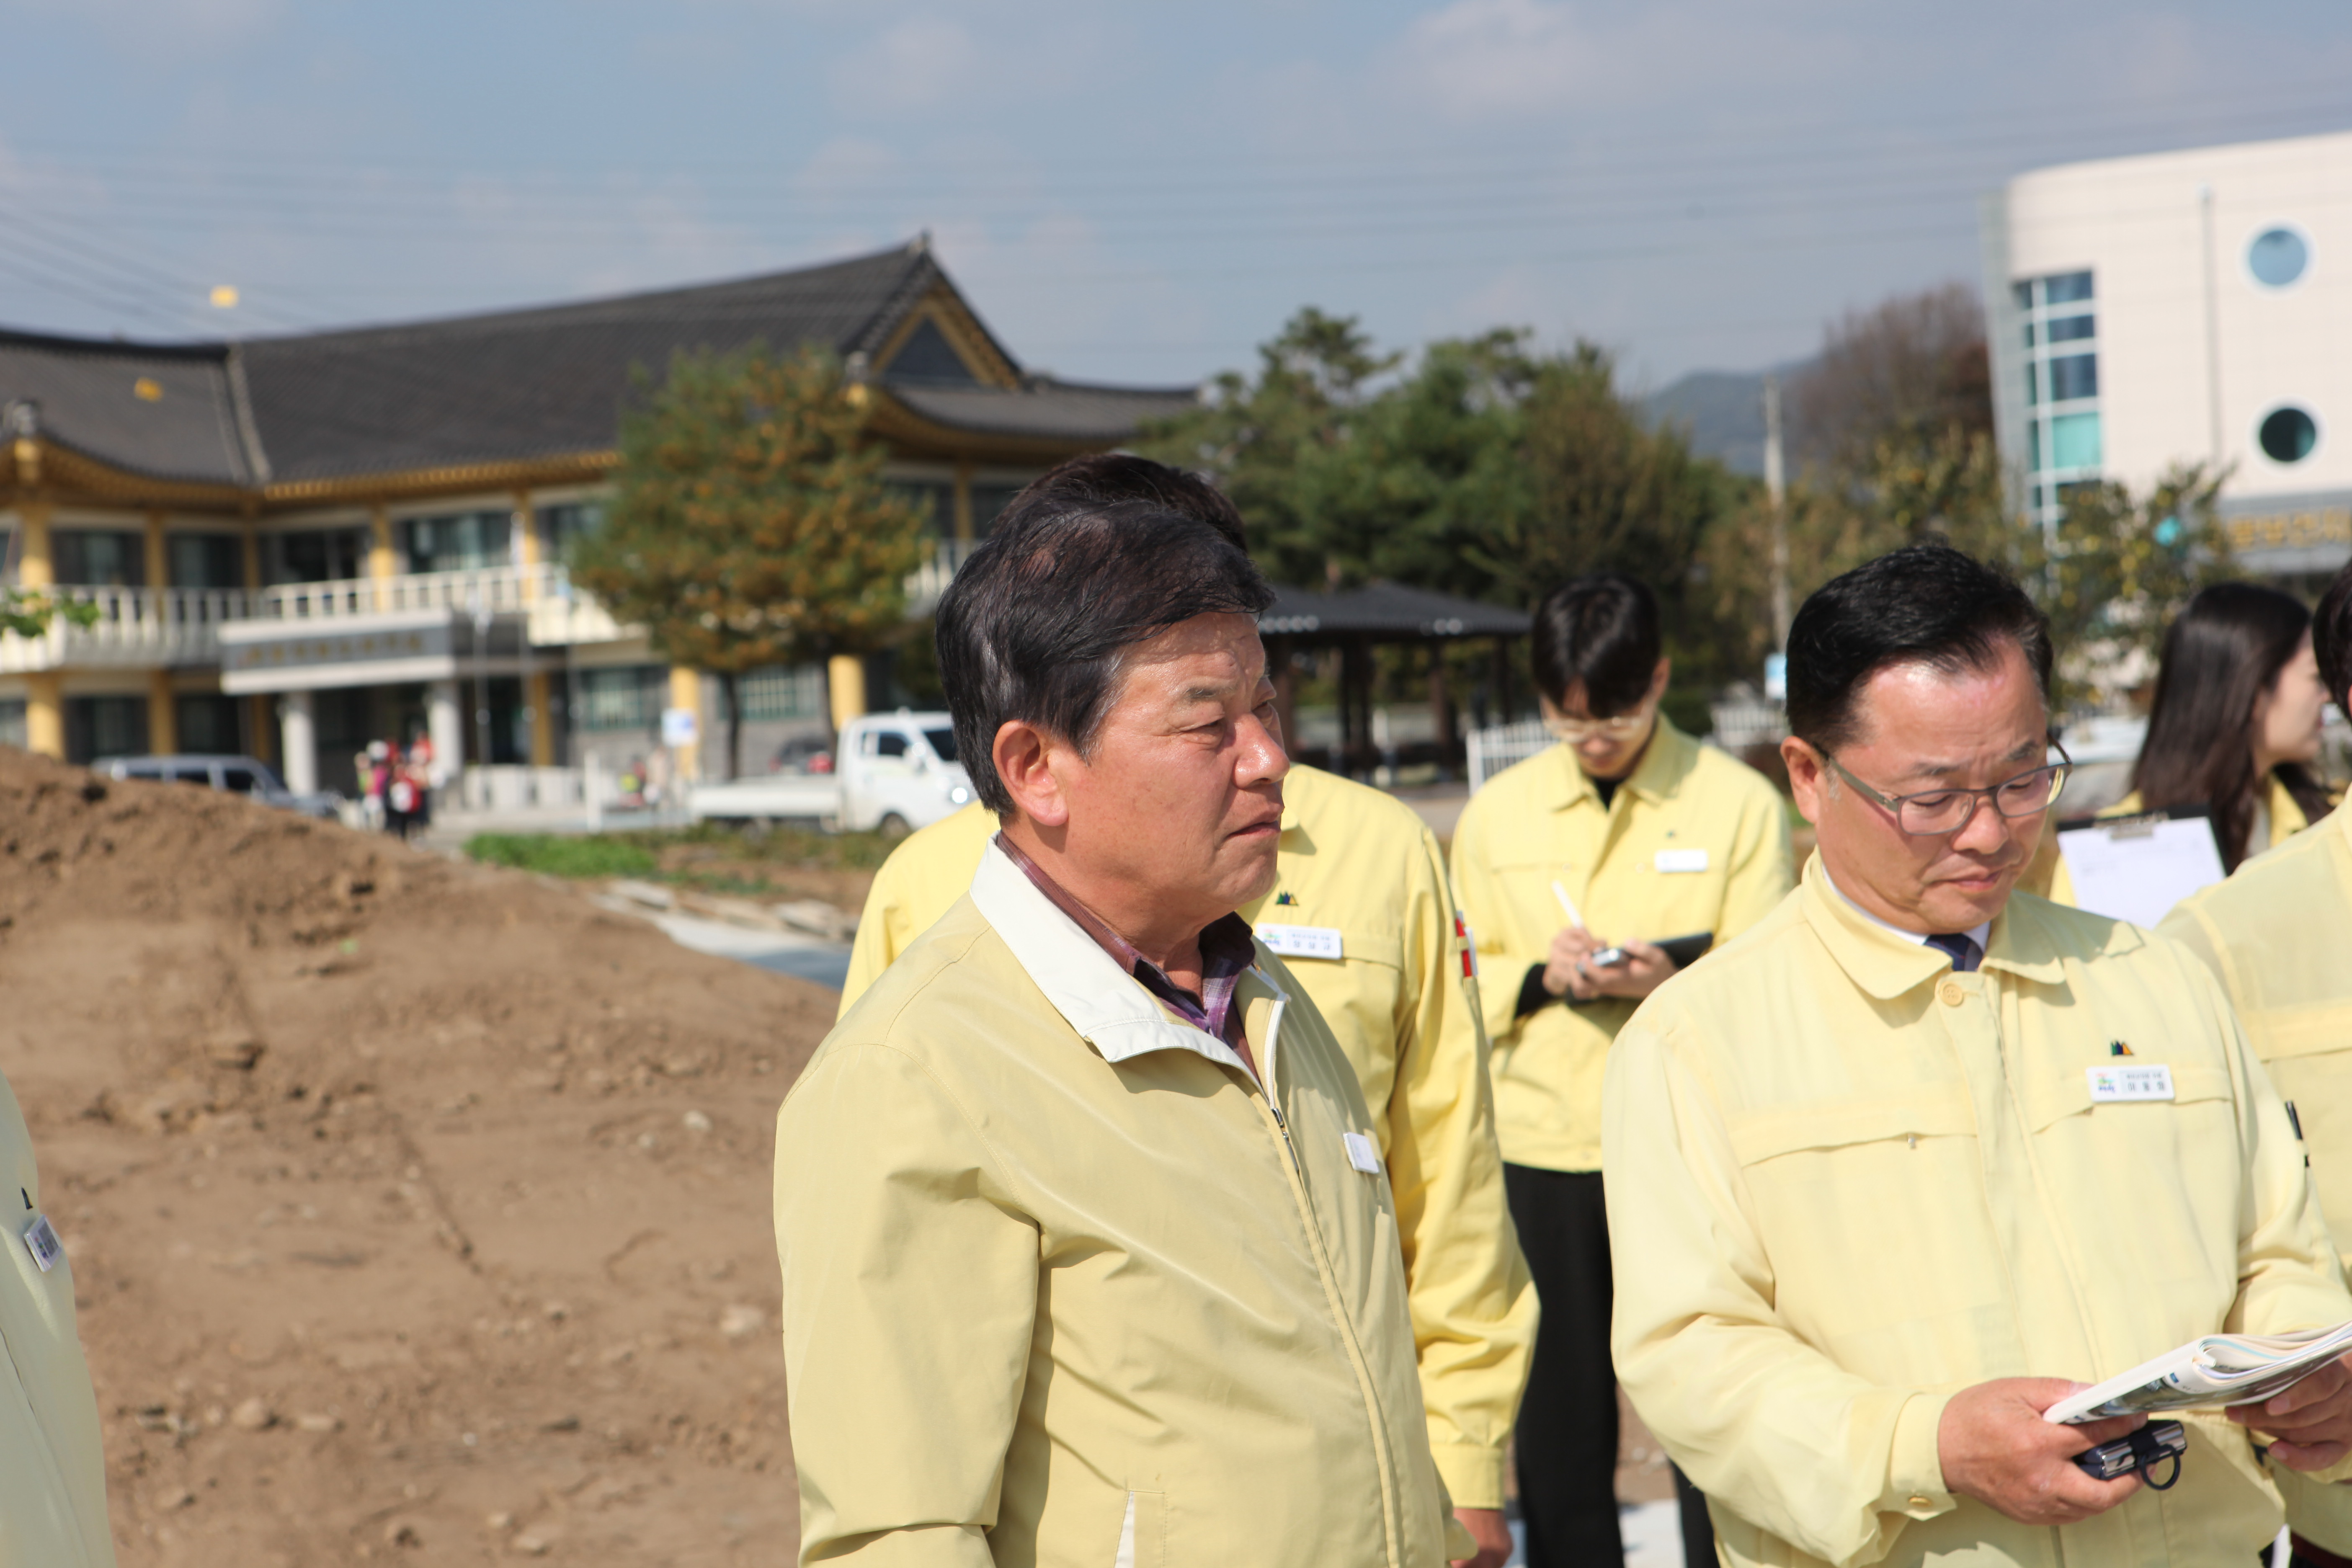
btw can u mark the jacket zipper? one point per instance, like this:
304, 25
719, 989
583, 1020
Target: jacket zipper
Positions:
1284, 1127
1391, 1505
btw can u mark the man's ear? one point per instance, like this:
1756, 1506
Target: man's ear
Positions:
1025, 756
1659, 676
1807, 779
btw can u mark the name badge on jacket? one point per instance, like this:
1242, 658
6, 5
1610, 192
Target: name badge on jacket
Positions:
1303, 942
1672, 861
2109, 1085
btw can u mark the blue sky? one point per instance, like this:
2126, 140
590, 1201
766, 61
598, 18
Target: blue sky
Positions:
1136, 193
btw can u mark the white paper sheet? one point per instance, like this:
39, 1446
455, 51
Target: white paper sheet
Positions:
2137, 872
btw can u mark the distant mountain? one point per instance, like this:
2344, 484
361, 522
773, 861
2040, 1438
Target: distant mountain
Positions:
1724, 413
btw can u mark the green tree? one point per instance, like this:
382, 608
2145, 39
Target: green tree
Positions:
749, 525
2122, 568
1284, 445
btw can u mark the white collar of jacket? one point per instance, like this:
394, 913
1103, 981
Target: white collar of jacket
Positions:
1108, 1007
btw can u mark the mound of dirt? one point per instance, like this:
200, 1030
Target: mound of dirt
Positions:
418, 1210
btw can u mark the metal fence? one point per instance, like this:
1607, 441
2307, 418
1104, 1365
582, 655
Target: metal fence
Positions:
1497, 746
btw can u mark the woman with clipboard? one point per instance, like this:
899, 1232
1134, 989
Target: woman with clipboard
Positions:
2234, 726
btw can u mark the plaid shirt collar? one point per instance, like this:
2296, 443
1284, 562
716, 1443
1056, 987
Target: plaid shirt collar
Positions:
1227, 951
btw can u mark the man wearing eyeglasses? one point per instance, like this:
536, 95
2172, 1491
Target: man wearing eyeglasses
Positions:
1626, 835
1918, 1156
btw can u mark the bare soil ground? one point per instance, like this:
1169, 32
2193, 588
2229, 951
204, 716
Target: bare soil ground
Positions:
418, 1210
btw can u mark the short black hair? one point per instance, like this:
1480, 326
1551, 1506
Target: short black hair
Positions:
1104, 479
1600, 632
1924, 604
2331, 638
1037, 625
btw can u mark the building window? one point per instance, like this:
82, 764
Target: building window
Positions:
99, 558
2279, 257
2287, 434
988, 504
2075, 441
2062, 440
783, 692
12, 722
98, 727
314, 555
209, 722
207, 560
627, 699
935, 502
462, 541
564, 525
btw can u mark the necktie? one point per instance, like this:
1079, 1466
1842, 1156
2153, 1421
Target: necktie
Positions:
1965, 953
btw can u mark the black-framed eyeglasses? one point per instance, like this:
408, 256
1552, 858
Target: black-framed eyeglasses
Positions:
1931, 813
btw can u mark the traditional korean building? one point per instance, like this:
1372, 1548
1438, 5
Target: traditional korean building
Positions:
299, 544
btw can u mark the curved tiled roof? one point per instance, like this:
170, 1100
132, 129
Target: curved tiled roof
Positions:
1043, 406
167, 413
500, 387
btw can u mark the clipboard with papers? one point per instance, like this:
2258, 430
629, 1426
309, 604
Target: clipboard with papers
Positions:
2136, 867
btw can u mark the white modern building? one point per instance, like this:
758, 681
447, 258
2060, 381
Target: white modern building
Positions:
2184, 306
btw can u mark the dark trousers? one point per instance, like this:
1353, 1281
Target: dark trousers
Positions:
1567, 1434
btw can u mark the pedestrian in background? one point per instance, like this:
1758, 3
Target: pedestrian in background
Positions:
1362, 913
1874, 1209
1625, 834
2278, 935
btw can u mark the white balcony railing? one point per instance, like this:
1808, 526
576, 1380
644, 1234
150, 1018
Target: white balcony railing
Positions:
149, 628
136, 628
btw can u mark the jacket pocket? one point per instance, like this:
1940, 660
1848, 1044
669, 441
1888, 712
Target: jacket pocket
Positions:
1144, 1534
2069, 1094
1929, 1111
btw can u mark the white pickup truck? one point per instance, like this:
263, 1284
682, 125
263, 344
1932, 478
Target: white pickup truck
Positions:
895, 772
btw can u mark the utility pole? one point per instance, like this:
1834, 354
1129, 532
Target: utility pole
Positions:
2212, 330
1776, 488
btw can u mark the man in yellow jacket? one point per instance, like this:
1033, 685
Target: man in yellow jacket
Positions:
52, 1471
1628, 833
1087, 1252
1879, 1192
1360, 913
2275, 936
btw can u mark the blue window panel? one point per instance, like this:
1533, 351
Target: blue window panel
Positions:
2076, 375
2066, 287
2075, 441
2024, 294
2066, 329
2032, 383
2033, 446
2277, 256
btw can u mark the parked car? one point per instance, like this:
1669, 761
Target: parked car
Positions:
237, 776
895, 772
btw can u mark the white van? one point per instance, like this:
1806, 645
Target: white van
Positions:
893, 772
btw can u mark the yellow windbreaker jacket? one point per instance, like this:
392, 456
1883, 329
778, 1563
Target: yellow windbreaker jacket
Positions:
1356, 867
1063, 1286
2275, 935
1695, 840
52, 1471
1846, 1183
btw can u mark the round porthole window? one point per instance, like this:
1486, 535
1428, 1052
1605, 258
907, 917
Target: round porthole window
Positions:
2278, 257
2287, 434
